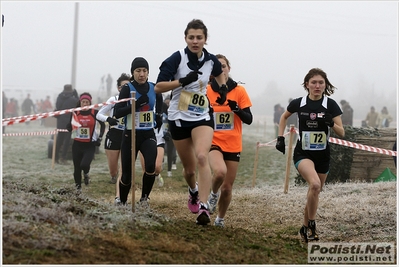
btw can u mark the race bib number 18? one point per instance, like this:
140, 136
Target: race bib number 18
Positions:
144, 119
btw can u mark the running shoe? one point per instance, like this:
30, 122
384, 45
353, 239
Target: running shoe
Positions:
78, 187
212, 202
203, 217
159, 180
169, 174
219, 223
86, 178
303, 232
174, 167
193, 201
143, 204
313, 236
117, 201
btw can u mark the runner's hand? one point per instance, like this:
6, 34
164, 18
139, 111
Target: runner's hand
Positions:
328, 120
191, 77
280, 145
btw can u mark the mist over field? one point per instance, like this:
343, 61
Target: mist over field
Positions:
271, 46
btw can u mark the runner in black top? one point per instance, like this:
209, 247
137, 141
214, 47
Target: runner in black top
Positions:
147, 116
317, 114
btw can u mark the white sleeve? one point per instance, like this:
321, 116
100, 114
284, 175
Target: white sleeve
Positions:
105, 110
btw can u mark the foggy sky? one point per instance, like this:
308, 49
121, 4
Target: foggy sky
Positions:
271, 45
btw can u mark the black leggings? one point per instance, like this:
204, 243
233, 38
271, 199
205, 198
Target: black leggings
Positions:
82, 155
170, 153
146, 143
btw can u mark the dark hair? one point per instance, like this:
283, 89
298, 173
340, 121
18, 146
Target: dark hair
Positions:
196, 24
316, 71
123, 77
85, 93
225, 59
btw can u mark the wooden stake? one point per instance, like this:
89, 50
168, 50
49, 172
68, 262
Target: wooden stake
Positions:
54, 147
133, 184
255, 164
289, 158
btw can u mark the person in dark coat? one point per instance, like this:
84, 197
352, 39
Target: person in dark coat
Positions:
66, 99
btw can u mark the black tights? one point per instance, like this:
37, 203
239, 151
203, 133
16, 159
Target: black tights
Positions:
147, 145
82, 155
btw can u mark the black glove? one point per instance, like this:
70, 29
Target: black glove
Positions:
98, 142
112, 121
222, 92
233, 105
328, 120
191, 77
158, 120
142, 101
166, 136
69, 127
280, 145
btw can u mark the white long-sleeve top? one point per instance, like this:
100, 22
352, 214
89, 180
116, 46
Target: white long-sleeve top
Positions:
108, 111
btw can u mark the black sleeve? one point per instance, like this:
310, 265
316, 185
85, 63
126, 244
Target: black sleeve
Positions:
102, 126
121, 109
245, 115
158, 103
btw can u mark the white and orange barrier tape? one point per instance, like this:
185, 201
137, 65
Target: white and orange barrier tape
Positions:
35, 133
21, 119
345, 143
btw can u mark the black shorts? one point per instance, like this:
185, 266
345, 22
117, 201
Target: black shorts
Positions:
321, 159
184, 131
231, 156
113, 139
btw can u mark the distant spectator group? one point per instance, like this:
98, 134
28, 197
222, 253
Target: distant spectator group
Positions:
377, 120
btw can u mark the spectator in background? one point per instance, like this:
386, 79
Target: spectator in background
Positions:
46, 105
278, 111
12, 108
66, 99
384, 118
28, 107
347, 115
372, 118
293, 119
109, 81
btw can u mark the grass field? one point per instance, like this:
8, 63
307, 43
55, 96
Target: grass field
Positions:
46, 222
